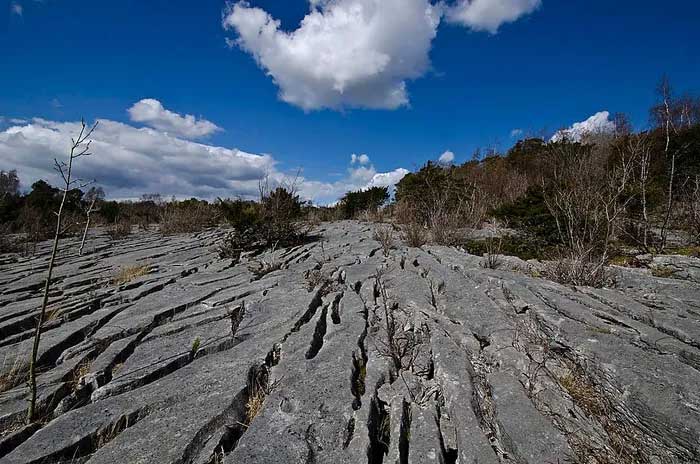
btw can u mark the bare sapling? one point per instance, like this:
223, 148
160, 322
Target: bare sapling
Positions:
80, 146
666, 117
93, 195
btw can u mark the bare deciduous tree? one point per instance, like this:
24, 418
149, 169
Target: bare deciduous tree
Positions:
9, 183
80, 146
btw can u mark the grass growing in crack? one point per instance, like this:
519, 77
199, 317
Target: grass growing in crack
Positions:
81, 371
665, 272
583, 393
53, 314
195, 347
129, 273
15, 376
623, 444
262, 268
117, 367
258, 387
253, 406
316, 278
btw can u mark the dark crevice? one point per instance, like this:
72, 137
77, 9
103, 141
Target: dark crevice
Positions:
316, 303
241, 413
447, 435
16, 438
349, 433
483, 340
358, 286
405, 432
176, 362
335, 308
357, 379
89, 444
311, 444
319, 333
378, 431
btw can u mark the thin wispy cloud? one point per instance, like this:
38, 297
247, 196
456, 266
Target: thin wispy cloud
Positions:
16, 8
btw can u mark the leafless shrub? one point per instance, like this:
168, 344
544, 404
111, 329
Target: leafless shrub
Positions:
587, 197
445, 227
385, 236
377, 215
579, 270
120, 229
414, 234
493, 250
313, 218
399, 344
9, 243
187, 217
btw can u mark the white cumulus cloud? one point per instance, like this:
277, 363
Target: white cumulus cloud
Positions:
358, 178
129, 161
361, 159
447, 157
599, 123
152, 113
489, 15
345, 53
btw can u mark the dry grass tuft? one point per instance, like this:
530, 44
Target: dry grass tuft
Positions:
15, 376
258, 387
583, 393
579, 270
129, 273
82, 370
262, 268
254, 406
665, 272
385, 236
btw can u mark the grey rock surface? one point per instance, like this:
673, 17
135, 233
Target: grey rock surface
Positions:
345, 355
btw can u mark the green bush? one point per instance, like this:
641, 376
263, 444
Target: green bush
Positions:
359, 201
273, 222
530, 215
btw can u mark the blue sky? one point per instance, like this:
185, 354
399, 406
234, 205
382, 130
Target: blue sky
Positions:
556, 63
